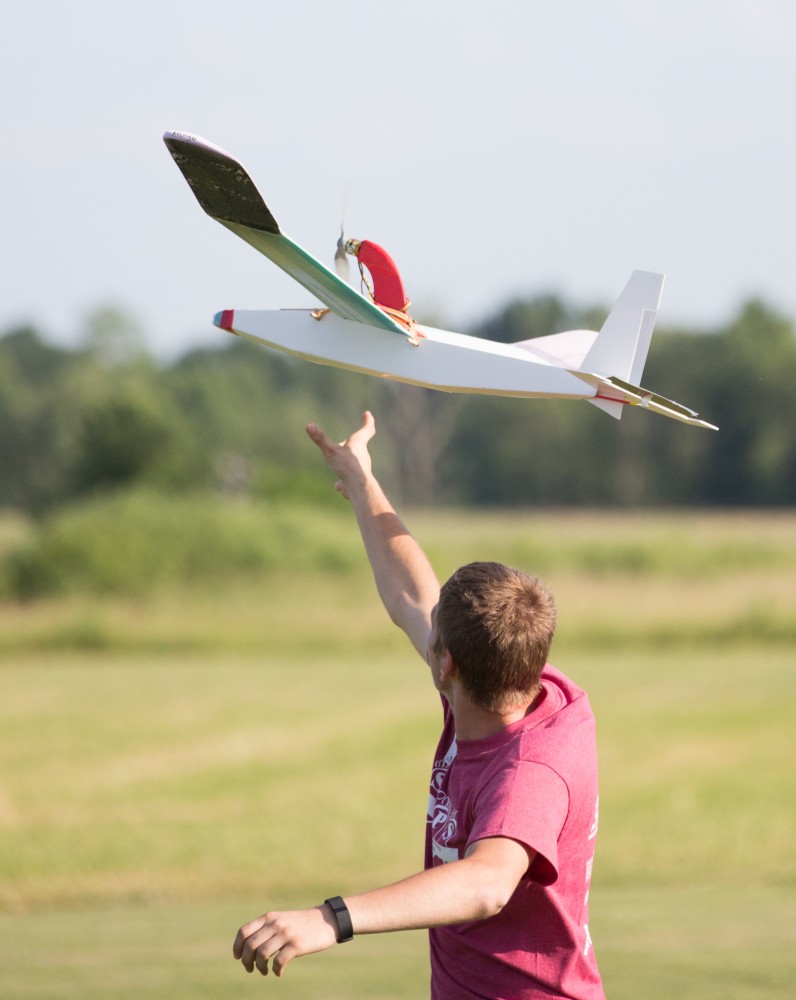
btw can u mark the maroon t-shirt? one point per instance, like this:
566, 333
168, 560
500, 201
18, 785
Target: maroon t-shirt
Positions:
535, 782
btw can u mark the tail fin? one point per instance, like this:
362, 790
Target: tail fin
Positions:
622, 344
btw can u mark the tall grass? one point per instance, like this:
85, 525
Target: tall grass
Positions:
137, 542
133, 541
196, 573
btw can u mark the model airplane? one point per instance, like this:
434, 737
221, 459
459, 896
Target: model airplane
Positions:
375, 334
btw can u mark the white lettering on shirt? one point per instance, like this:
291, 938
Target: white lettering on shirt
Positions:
441, 814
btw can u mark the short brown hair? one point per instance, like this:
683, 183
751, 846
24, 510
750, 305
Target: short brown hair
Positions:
498, 624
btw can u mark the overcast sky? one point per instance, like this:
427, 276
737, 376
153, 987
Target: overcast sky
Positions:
495, 149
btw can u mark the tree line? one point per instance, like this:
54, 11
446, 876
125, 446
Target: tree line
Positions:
106, 416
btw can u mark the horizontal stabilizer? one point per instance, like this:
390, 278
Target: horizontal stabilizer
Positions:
613, 394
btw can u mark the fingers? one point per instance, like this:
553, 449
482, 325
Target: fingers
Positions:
283, 956
327, 446
257, 942
363, 434
244, 933
367, 429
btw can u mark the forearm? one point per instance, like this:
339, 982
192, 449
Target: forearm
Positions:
429, 899
405, 579
451, 893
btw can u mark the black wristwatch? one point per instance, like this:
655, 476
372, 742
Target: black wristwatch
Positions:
345, 929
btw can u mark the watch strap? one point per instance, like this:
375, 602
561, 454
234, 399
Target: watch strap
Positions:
345, 929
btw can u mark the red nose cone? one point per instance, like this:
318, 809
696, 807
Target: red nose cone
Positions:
225, 319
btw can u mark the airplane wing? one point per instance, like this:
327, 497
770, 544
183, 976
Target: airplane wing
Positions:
227, 193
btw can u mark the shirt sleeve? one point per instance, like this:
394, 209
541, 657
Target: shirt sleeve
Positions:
527, 802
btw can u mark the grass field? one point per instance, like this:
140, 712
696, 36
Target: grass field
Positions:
173, 766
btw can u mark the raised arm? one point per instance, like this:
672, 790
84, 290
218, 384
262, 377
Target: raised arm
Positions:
407, 584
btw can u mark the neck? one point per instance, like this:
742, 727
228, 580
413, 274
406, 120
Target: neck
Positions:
476, 723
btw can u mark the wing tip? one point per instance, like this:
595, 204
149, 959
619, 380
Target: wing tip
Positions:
176, 138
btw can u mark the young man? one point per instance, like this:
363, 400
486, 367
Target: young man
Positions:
513, 802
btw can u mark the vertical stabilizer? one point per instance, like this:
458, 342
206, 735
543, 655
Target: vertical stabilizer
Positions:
622, 344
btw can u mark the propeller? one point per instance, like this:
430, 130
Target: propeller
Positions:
341, 257
341, 264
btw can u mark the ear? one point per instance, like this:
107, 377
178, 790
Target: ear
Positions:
447, 667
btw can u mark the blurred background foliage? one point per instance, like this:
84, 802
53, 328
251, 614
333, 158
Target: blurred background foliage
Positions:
104, 442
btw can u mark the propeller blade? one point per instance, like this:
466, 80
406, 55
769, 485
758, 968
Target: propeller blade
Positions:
341, 258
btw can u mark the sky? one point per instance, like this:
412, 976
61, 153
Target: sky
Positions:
497, 150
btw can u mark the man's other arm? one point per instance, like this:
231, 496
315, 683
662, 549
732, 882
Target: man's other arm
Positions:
475, 888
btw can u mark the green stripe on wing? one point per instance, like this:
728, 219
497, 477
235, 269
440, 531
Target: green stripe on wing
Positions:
340, 297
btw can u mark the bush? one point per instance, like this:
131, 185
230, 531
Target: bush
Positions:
134, 542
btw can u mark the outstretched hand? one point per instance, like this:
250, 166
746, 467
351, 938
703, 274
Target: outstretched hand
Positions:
350, 459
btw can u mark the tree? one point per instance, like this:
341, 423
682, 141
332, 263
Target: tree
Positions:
134, 434
232, 419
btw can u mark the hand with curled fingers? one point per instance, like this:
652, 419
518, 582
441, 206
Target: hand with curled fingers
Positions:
282, 936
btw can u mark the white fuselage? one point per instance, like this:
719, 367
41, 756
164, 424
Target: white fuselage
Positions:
452, 362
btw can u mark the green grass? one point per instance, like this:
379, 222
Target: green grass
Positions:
181, 951
174, 764
714, 943
172, 798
